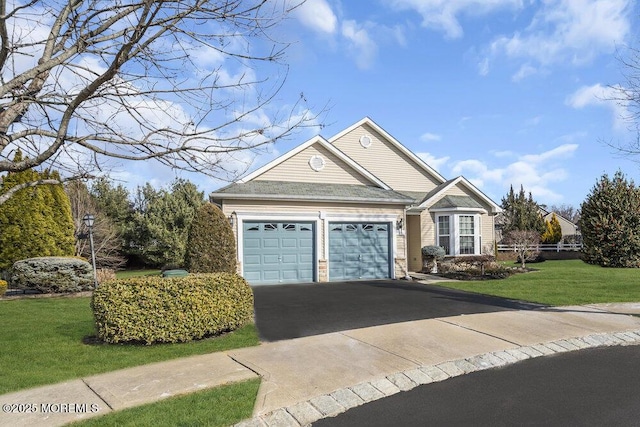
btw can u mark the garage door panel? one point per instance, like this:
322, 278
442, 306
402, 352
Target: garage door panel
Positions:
278, 252
271, 242
359, 251
289, 259
289, 243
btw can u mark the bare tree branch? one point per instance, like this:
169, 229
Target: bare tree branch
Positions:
186, 84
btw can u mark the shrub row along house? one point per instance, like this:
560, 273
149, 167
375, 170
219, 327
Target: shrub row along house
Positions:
359, 205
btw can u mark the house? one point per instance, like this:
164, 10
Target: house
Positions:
570, 230
359, 205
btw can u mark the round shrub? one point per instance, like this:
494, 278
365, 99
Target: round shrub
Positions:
3, 287
433, 252
52, 274
153, 309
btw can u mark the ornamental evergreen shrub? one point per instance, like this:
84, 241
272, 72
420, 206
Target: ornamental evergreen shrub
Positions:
553, 231
52, 274
35, 221
153, 309
211, 246
610, 223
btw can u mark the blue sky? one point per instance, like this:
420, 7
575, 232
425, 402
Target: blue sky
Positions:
504, 92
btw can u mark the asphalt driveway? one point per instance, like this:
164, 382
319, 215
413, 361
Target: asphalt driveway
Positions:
292, 311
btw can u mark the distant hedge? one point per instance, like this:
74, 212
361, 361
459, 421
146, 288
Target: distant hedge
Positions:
168, 310
52, 274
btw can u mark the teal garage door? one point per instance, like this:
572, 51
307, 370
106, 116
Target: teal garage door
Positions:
359, 250
278, 252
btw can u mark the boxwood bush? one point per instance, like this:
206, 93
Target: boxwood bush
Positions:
52, 274
153, 309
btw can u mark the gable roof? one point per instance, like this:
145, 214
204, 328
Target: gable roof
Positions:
417, 160
439, 191
325, 144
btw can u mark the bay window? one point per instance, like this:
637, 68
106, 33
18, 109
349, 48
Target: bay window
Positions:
458, 233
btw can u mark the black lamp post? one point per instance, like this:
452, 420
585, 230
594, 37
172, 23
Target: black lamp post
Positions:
89, 221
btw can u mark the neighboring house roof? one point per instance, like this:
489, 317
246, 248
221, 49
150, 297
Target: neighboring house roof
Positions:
324, 143
367, 121
279, 190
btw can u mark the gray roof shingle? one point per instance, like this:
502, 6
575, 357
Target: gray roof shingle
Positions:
310, 191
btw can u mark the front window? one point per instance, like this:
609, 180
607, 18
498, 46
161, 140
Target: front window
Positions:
467, 235
444, 234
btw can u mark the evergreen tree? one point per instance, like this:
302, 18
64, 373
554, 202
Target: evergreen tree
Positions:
553, 231
161, 222
521, 213
211, 246
610, 223
35, 221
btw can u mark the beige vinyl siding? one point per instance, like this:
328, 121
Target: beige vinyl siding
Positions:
427, 228
488, 233
385, 161
297, 169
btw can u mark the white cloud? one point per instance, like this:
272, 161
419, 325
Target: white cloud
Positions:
435, 162
317, 15
426, 137
567, 31
535, 172
442, 15
360, 42
601, 96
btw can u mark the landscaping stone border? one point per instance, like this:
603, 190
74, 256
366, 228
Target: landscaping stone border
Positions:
339, 401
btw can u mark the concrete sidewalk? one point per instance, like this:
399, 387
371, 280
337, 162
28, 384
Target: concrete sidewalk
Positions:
309, 378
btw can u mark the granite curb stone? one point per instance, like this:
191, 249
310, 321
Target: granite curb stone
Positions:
305, 413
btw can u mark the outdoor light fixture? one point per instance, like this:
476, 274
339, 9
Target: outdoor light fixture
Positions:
231, 220
89, 220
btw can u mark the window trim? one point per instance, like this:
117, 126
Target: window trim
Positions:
454, 231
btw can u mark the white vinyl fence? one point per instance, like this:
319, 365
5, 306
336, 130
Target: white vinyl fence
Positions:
560, 247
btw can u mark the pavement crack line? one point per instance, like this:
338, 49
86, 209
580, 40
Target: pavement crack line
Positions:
380, 348
245, 366
97, 394
479, 332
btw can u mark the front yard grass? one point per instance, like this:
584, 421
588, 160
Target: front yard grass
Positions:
222, 406
569, 282
43, 342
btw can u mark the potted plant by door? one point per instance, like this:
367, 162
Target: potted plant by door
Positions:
431, 254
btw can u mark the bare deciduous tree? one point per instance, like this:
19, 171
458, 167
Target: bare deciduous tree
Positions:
107, 239
524, 242
89, 83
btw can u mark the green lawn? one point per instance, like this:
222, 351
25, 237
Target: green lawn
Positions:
42, 343
222, 406
563, 283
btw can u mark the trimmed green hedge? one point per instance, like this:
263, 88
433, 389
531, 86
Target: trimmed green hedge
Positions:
167, 310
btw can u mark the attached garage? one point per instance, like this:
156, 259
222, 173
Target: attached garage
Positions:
278, 252
360, 250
